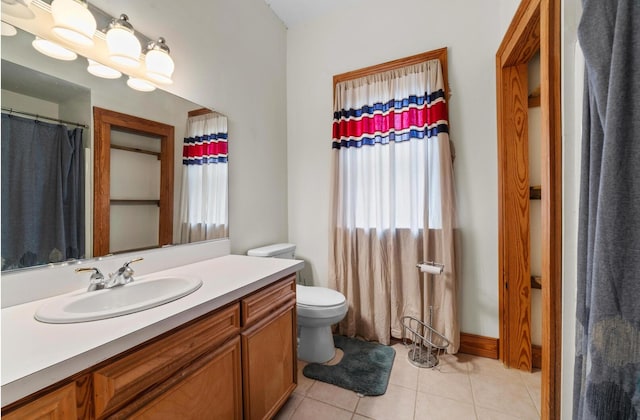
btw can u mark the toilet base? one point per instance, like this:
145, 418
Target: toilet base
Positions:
315, 344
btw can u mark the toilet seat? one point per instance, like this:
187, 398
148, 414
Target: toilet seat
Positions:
318, 296
319, 302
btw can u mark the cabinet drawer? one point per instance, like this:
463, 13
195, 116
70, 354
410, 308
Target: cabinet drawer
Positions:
210, 388
59, 404
267, 300
127, 378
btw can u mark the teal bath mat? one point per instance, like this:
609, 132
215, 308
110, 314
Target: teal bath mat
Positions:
364, 368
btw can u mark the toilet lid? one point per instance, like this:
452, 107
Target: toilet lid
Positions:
318, 296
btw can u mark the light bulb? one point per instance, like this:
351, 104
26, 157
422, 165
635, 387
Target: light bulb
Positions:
53, 50
8, 30
140, 84
124, 46
158, 62
17, 8
100, 70
73, 22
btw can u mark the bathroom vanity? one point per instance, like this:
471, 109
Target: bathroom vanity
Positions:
225, 351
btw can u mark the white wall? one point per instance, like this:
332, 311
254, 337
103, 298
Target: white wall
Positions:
37, 106
362, 35
230, 57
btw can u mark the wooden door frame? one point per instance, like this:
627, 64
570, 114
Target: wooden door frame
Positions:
535, 27
103, 121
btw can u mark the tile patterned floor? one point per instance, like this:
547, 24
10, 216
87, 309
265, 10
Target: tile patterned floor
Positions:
462, 387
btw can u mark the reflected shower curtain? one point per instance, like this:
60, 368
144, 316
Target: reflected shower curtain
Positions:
204, 199
607, 365
393, 202
42, 193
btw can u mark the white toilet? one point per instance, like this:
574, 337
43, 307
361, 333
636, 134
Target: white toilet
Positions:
318, 308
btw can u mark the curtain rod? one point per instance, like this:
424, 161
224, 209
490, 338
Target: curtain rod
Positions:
38, 117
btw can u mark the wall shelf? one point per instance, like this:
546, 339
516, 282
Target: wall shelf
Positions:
134, 202
136, 150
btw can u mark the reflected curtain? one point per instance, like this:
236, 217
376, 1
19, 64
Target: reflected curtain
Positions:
205, 175
607, 364
393, 202
42, 193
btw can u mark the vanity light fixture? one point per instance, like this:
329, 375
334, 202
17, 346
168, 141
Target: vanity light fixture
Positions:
73, 22
53, 50
124, 47
158, 62
140, 84
100, 70
17, 8
66, 27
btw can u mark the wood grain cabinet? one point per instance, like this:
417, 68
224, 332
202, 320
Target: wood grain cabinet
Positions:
236, 362
209, 389
269, 367
177, 361
56, 405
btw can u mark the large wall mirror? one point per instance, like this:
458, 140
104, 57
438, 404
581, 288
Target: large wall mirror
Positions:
35, 87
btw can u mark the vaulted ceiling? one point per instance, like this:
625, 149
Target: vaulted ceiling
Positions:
295, 12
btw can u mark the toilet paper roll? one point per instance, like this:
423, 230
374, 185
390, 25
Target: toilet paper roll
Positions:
431, 269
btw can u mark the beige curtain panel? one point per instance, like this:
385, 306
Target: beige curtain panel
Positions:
393, 203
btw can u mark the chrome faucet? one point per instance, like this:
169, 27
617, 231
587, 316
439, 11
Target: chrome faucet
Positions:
96, 281
121, 277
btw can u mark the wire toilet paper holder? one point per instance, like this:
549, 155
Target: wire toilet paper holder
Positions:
425, 343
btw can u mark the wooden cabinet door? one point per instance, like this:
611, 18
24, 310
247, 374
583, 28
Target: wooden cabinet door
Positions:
56, 405
211, 388
268, 363
129, 379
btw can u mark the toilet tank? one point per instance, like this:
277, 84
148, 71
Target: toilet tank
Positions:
275, 250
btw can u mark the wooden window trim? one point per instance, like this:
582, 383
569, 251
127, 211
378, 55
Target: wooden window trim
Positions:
439, 54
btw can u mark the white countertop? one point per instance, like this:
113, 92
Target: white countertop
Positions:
35, 354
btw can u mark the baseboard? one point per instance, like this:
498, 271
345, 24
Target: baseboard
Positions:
478, 345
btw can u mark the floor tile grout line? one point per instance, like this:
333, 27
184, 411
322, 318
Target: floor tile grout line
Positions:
533, 400
307, 397
355, 410
473, 394
405, 387
473, 399
334, 405
296, 409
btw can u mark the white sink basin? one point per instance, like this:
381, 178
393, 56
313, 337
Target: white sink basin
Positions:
107, 303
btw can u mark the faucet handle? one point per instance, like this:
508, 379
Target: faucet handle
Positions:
96, 281
126, 271
132, 261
